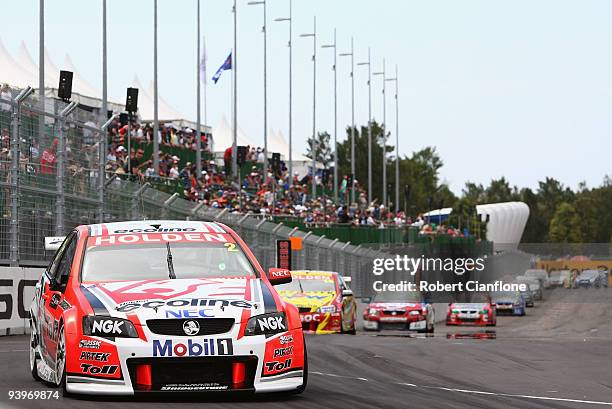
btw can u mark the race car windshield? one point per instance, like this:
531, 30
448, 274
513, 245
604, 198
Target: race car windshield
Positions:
150, 261
306, 285
397, 296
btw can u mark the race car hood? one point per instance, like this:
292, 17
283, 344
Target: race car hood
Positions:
311, 299
180, 298
470, 306
395, 305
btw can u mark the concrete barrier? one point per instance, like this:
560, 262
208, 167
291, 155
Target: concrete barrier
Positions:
17, 285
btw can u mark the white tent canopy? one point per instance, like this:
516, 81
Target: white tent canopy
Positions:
224, 137
506, 224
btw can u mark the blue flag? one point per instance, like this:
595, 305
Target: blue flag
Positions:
227, 65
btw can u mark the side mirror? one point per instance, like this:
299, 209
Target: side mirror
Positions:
347, 293
279, 276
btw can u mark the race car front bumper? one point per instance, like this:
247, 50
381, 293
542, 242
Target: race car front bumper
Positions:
254, 365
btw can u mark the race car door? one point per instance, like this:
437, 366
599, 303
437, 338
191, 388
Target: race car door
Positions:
53, 288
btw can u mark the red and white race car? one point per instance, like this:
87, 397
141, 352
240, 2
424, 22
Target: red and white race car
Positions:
163, 306
400, 311
480, 311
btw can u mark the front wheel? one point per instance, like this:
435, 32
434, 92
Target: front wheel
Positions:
60, 360
34, 354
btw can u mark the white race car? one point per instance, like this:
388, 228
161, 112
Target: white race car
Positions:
163, 306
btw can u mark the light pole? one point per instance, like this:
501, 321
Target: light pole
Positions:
384, 135
235, 97
265, 83
155, 96
351, 54
314, 105
290, 20
335, 118
199, 79
369, 125
397, 168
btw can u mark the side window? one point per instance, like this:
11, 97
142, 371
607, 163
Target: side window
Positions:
57, 258
62, 268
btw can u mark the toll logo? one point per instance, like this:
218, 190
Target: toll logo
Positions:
193, 347
98, 370
276, 366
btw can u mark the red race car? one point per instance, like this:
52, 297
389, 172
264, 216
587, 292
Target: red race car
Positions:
480, 311
399, 310
163, 306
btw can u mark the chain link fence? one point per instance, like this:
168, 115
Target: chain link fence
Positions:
52, 179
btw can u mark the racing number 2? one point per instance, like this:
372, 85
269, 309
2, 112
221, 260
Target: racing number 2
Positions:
230, 247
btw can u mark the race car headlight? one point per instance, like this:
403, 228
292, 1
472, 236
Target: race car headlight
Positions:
266, 324
327, 309
99, 326
414, 312
373, 311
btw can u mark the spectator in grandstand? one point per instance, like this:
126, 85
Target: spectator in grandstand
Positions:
49, 158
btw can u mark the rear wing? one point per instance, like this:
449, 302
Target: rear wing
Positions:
53, 243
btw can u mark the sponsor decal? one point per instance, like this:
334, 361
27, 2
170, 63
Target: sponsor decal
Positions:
98, 370
191, 327
107, 327
64, 305
89, 344
286, 339
155, 228
183, 302
310, 317
203, 347
194, 387
190, 313
94, 356
144, 238
281, 352
277, 366
271, 323
55, 300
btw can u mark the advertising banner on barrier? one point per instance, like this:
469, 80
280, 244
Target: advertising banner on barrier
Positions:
17, 286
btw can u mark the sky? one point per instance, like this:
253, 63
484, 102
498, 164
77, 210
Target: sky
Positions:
516, 88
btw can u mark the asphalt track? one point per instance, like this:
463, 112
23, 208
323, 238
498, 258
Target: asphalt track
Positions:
558, 356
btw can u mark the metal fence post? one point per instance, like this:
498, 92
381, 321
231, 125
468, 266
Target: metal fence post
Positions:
60, 204
135, 198
102, 166
15, 185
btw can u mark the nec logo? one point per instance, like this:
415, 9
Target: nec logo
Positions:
190, 313
271, 323
107, 327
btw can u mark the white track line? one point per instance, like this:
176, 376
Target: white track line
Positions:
469, 391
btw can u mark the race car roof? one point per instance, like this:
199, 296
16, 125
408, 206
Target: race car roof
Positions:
155, 226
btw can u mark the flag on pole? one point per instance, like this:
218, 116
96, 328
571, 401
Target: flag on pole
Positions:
227, 65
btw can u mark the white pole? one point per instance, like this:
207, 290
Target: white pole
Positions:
235, 119
198, 126
155, 96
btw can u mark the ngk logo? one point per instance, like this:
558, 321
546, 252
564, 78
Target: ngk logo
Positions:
275, 366
271, 323
310, 317
107, 327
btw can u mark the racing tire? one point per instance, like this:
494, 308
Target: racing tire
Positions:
60, 360
34, 356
